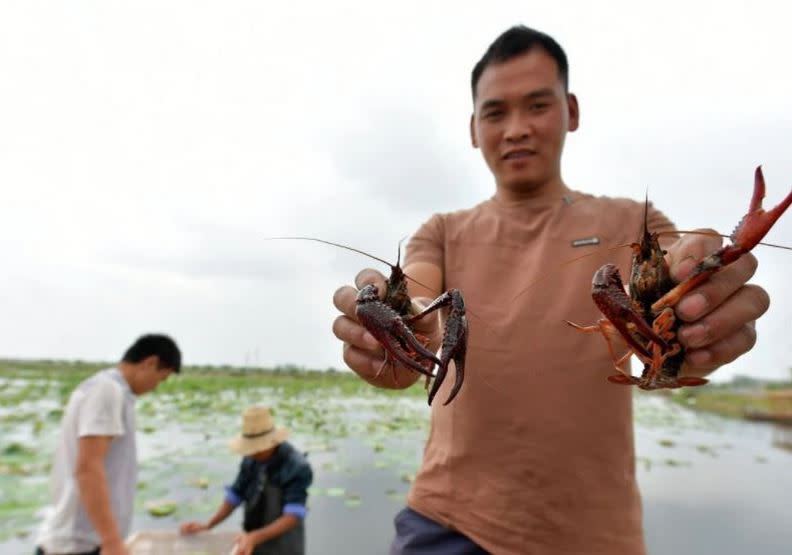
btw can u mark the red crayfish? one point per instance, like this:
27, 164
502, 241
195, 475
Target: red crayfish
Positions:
645, 318
391, 321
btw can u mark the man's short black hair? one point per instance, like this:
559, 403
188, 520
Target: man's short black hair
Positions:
517, 41
160, 345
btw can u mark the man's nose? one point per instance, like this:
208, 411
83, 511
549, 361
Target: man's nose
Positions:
518, 127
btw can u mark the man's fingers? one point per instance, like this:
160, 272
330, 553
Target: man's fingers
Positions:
371, 277
711, 294
699, 362
744, 307
349, 331
371, 367
363, 361
344, 300
686, 252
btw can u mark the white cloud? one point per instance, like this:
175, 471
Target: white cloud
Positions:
147, 149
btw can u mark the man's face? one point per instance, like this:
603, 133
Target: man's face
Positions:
149, 376
521, 116
263, 456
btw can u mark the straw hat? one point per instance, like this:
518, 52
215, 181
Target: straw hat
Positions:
258, 432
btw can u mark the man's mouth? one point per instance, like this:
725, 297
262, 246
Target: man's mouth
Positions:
519, 154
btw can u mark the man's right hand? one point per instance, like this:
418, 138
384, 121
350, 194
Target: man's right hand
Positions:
192, 528
114, 547
362, 352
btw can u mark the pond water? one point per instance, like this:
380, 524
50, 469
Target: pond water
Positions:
709, 485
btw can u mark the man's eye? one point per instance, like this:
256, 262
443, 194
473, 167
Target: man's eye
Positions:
492, 114
538, 106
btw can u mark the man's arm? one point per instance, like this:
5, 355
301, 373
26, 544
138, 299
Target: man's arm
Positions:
232, 499
193, 527
362, 352
95, 493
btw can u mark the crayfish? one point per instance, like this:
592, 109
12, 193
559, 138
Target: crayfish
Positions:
645, 318
391, 320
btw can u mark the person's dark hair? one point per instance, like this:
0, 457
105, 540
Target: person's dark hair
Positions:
162, 346
517, 41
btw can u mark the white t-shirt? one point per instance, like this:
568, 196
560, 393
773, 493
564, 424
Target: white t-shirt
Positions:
102, 405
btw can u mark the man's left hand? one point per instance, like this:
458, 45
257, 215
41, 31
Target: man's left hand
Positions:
718, 316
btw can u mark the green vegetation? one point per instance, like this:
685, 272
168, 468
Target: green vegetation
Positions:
738, 398
46, 377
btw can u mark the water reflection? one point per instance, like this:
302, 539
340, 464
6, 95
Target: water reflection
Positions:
782, 436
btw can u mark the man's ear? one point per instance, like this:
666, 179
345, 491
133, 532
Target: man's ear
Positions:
151, 361
574, 112
473, 140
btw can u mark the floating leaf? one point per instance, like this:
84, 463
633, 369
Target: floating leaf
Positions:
161, 507
202, 482
646, 462
674, 462
706, 449
17, 450
335, 492
396, 495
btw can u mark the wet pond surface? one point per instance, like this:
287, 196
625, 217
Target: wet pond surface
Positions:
709, 485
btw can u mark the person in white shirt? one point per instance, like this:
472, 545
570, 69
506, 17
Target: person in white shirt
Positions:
94, 473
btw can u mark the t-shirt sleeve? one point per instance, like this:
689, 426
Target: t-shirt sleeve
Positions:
101, 410
233, 492
295, 490
659, 223
427, 244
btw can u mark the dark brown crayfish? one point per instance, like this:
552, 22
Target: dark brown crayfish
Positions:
645, 318
391, 320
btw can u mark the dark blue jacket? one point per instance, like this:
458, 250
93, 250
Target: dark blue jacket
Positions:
288, 470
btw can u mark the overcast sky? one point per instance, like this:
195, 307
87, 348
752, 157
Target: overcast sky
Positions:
147, 147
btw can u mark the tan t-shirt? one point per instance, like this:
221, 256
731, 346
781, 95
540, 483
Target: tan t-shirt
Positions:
535, 455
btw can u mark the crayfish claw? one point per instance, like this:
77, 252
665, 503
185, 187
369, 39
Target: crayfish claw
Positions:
454, 345
438, 381
748, 233
691, 381
757, 222
459, 365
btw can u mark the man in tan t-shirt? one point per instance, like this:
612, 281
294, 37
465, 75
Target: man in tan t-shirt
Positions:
535, 455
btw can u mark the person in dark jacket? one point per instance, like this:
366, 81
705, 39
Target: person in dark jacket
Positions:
272, 484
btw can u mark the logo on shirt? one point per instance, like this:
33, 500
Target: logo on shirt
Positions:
585, 242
